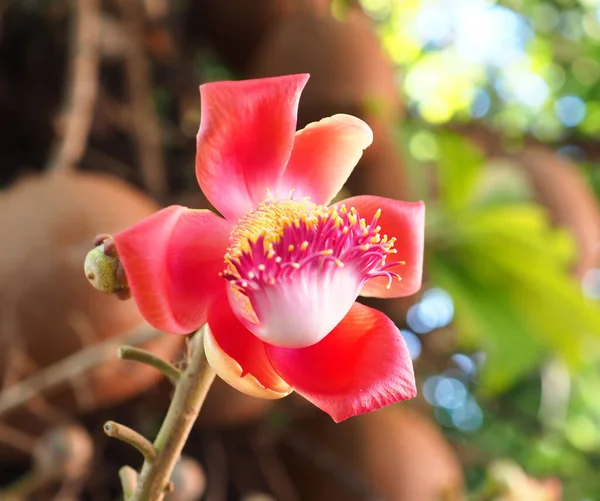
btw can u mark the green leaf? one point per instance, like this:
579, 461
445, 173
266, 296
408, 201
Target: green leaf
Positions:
459, 168
486, 316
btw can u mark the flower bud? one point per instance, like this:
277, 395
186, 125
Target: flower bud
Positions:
103, 268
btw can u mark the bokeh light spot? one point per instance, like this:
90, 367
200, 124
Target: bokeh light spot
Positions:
423, 146
413, 343
468, 417
570, 110
591, 283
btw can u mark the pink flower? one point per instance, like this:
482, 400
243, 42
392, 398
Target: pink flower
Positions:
277, 278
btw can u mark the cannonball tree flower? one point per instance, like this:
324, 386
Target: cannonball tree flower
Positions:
276, 279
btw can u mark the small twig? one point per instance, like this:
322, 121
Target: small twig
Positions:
189, 396
82, 87
16, 438
23, 487
144, 119
129, 479
131, 437
145, 357
61, 372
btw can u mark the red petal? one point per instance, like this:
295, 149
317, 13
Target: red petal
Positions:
245, 349
172, 261
406, 222
245, 139
324, 155
362, 365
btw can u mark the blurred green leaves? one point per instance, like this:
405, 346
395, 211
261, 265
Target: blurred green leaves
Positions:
508, 271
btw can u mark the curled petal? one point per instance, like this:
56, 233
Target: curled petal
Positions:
239, 357
245, 139
362, 365
406, 222
324, 155
172, 262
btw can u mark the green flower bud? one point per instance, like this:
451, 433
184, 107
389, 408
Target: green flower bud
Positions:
103, 268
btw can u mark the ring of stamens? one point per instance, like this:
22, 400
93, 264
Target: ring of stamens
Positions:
280, 237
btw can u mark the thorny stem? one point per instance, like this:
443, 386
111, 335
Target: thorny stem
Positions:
143, 356
190, 392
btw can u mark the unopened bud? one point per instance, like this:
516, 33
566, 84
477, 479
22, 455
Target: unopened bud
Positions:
104, 270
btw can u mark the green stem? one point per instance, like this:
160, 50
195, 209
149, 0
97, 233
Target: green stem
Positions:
190, 392
145, 357
131, 437
129, 479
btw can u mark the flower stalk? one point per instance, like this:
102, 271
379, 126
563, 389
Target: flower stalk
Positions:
145, 357
131, 437
153, 481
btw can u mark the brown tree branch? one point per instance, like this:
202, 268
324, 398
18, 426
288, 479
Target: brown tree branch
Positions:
146, 125
82, 86
70, 368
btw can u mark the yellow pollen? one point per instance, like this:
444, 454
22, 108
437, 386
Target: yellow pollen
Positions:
269, 220
273, 217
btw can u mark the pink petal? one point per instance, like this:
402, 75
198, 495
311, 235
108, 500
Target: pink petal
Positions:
245, 139
324, 155
172, 261
362, 365
406, 222
245, 349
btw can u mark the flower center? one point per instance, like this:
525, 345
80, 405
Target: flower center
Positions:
281, 237
301, 266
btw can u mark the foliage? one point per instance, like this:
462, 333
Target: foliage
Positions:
522, 66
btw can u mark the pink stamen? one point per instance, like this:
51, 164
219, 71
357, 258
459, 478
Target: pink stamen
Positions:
292, 236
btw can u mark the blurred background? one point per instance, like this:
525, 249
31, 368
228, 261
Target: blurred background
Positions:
487, 110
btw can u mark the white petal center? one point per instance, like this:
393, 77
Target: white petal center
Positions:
302, 311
